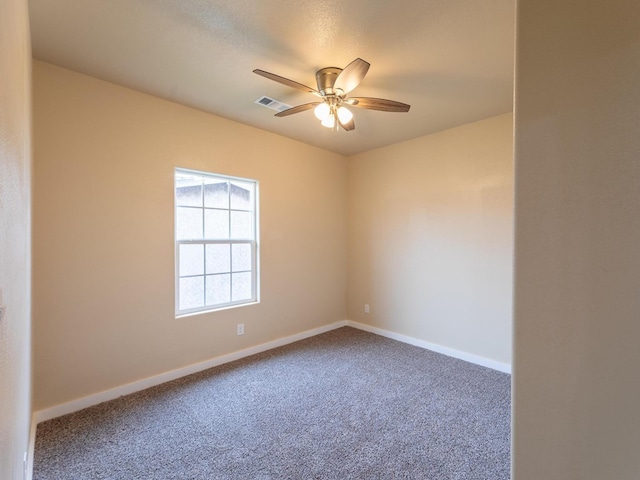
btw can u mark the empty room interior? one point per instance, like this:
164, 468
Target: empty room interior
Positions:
475, 217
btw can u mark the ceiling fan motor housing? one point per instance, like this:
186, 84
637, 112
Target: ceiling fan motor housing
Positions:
326, 78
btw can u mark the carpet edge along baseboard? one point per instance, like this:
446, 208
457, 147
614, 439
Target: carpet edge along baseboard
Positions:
138, 385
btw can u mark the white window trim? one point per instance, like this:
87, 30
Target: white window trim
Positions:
255, 251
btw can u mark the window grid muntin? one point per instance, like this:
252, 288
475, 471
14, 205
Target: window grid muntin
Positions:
224, 241
204, 275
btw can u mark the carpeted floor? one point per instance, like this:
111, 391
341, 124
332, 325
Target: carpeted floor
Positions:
343, 405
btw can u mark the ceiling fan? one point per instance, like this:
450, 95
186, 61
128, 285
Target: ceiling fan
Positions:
334, 84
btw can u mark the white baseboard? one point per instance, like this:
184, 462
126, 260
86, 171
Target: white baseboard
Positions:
106, 395
90, 400
31, 448
450, 352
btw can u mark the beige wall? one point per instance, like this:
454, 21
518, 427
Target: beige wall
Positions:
104, 158
15, 232
577, 245
430, 238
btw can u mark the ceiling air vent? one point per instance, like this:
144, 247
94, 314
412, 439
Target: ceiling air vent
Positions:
272, 104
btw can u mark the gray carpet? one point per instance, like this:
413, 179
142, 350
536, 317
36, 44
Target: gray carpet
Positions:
343, 405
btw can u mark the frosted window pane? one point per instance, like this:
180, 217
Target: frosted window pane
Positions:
241, 257
216, 193
218, 258
241, 194
189, 223
241, 225
218, 289
241, 286
191, 292
188, 191
191, 260
216, 223
222, 210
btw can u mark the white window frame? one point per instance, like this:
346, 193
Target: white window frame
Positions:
253, 242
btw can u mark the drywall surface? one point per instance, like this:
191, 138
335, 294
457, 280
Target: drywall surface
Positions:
104, 160
430, 238
15, 235
577, 243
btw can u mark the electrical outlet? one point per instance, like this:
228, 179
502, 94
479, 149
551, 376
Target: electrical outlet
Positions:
240, 329
366, 308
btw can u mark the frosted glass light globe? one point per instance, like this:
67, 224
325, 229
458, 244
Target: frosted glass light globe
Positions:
329, 121
321, 111
344, 115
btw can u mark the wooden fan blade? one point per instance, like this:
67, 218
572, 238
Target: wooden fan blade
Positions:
286, 81
379, 104
298, 109
351, 76
348, 126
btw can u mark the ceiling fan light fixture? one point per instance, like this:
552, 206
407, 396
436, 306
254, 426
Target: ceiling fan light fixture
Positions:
329, 121
322, 111
345, 115
334, 84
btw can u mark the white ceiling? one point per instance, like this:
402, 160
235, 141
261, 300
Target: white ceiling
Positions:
451, 60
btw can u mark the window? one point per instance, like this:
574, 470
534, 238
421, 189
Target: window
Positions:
216, 234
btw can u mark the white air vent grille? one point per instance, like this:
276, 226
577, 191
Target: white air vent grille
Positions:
272, 104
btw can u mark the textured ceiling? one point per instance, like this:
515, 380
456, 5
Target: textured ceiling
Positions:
451, 60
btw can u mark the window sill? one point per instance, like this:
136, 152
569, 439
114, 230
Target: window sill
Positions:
214, 310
